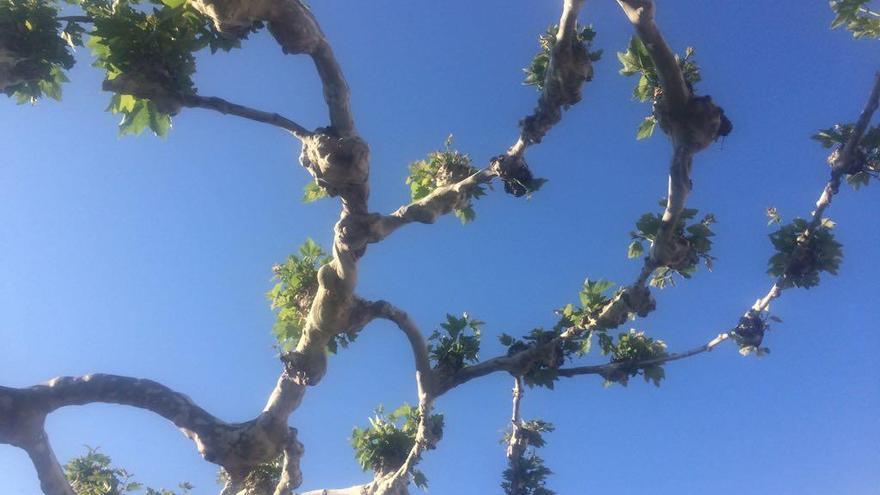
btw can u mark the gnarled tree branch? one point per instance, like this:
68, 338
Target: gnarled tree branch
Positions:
237, 447
570, 67
840, 167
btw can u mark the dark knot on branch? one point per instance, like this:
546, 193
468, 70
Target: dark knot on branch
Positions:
699, 124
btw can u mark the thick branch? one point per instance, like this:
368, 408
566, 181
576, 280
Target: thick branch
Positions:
692, 123
237, 447
336, 92
416, 340
297, 31
140, 393
641, 14
49, 471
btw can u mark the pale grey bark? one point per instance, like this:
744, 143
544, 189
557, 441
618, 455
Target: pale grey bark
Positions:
839, 167
692, 124
338, 159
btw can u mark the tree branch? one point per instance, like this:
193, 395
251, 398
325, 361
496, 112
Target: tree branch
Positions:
569, 68
692, 124
610, 368
416, 340
675, 91
228, 108
517, 443
840, 167
237, 447
297, 31
49, 471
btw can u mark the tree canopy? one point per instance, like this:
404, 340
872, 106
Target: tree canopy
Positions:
436, 297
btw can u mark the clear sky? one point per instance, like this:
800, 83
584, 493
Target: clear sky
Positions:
151, 258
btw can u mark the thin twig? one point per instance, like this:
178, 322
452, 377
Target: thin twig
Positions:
228, 108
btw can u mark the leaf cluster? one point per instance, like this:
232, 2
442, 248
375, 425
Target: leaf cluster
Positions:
94, 474
865, 162
384, 445
443, 168
633, 347
800, 257
542, 372
294, 291
593, 297
694, 240
262, 478
154, 50
536, 72
456, 343
32, 48
527, 474
151, 50
856, 17
637, 60
313, 192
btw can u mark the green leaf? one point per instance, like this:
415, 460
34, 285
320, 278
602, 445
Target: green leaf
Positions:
465, 215
646, 128
174, 3
635, 250
135, 121
313, 192
160, 122
648, 224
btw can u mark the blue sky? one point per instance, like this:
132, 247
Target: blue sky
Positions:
151, 258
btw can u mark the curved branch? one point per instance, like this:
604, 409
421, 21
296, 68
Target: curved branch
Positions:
237, 447
416, 340
335, 88
136, 392
297, 31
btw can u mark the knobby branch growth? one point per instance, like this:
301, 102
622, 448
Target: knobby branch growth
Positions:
147, 52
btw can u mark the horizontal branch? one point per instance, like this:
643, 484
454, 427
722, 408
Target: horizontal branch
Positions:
171, 103
610, 368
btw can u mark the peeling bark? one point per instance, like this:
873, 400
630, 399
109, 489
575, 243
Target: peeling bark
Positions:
236, 447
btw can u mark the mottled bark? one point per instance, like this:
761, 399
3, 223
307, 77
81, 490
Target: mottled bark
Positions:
338, 159
691, 122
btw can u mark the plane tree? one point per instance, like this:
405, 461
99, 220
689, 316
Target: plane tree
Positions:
146, 50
